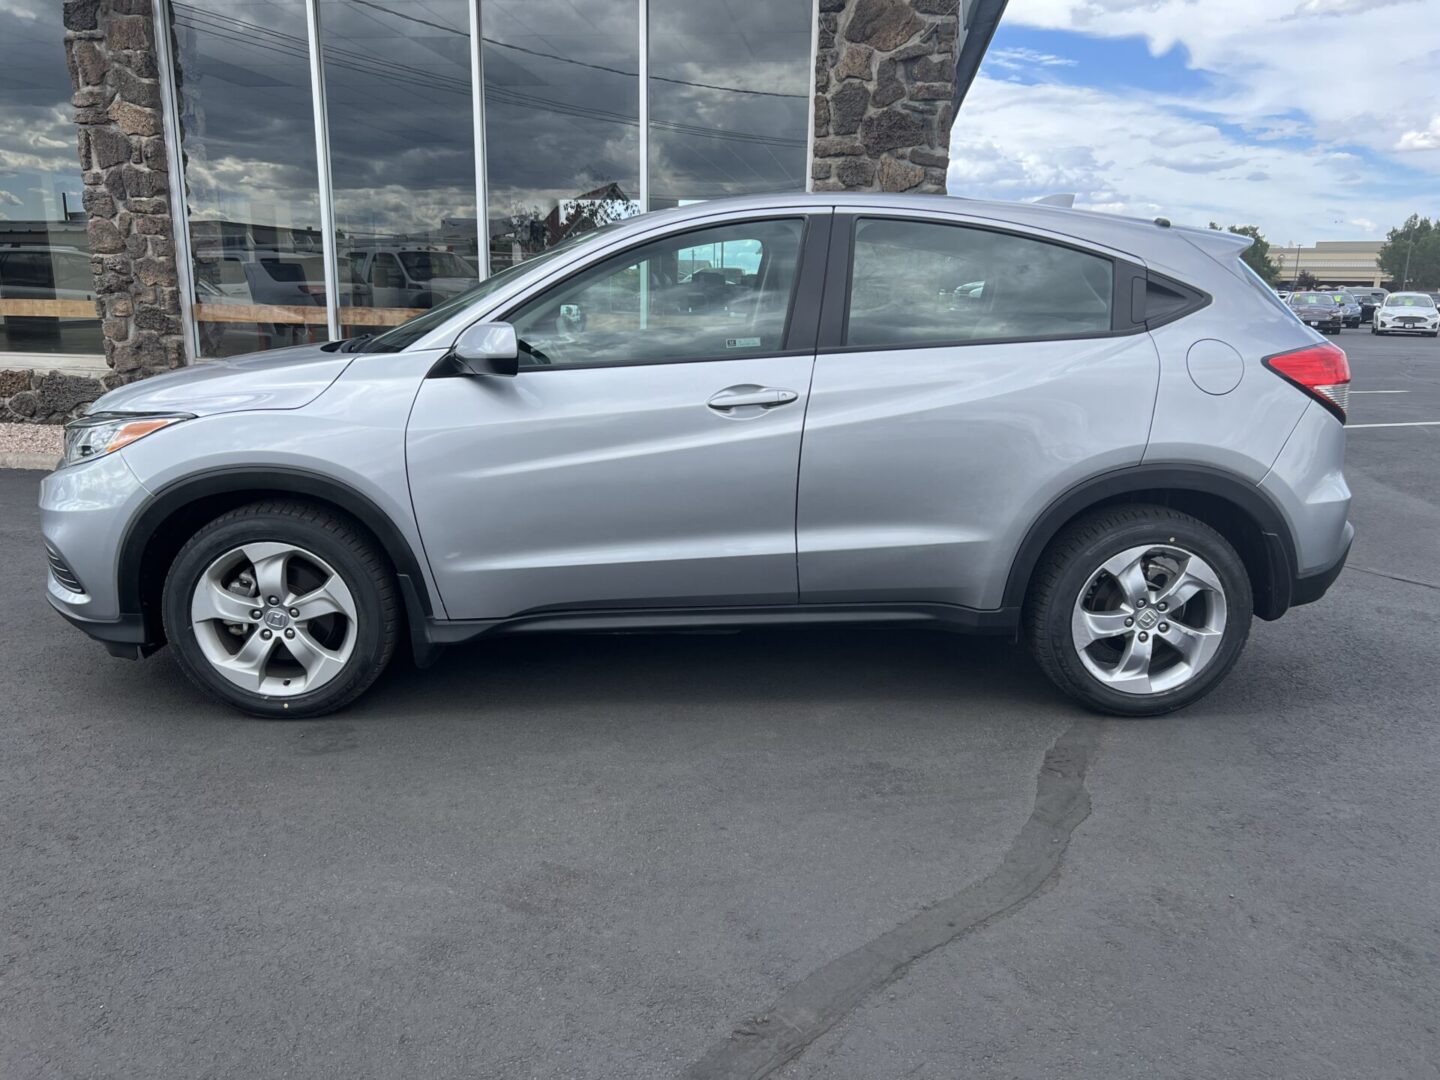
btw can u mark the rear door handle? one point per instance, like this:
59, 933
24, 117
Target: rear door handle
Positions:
738, 397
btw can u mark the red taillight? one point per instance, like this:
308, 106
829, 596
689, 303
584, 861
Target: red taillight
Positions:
1322, 371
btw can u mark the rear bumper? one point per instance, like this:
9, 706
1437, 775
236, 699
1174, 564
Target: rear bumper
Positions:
1311, 587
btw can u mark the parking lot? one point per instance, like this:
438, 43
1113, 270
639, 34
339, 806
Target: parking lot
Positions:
855, 855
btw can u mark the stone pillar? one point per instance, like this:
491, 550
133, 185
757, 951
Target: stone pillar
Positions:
884, 94
110, 49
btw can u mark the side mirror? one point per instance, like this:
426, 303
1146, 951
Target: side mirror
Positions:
488, 349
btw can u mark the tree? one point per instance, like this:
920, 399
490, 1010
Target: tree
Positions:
1411, 254
1257, 255
1306, 280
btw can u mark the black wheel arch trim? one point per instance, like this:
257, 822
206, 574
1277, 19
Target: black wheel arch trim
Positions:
272, 481
1248, 497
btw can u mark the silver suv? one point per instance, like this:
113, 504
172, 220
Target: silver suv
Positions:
1105, 434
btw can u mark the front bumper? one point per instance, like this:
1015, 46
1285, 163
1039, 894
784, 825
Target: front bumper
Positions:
85, 513
124, 637
1412, 326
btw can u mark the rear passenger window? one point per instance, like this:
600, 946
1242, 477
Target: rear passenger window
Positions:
922, 283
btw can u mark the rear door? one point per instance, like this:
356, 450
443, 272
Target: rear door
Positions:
966, 376
646, 454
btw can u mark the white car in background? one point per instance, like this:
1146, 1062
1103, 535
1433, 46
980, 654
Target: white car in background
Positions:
1407, 313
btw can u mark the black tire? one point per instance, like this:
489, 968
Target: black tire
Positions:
1066, 568
335, 538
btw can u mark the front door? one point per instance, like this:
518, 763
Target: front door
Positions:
646, 454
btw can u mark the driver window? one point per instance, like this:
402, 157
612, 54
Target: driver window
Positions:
710, 294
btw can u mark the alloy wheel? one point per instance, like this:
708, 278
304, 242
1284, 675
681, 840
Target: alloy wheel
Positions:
274, 619
1149, 619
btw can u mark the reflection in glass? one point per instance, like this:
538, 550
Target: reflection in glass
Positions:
729, 98
711, 294
398, 94
243, 83
47, 291
918, 283
561, 117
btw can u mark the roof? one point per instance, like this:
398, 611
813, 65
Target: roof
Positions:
1127, 234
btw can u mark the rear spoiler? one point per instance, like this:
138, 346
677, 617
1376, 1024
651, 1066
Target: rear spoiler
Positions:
1219, 245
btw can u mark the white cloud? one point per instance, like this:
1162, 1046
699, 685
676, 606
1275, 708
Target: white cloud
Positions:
1429, 139
1132, 155
1360, 74
1022, 59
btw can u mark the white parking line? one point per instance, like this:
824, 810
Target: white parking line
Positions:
1408, 423
1354, 392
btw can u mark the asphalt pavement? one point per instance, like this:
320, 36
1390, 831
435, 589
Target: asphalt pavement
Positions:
848, 854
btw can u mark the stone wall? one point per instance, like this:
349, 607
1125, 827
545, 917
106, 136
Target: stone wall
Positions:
884, 94
45, 397
110, 50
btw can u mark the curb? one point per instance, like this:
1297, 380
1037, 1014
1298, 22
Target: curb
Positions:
27, 459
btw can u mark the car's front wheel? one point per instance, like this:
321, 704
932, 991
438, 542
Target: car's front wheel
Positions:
1139, 610
281, 609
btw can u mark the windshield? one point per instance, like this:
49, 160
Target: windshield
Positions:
426, 265
1414, 301
1312, 298
407, 333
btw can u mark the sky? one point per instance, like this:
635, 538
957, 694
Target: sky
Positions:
1313, 119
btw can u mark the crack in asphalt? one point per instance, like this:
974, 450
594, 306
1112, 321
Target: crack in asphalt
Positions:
823, 998
1393, 577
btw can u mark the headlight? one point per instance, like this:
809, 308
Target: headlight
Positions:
101, 434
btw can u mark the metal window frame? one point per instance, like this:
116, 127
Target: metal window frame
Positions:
477, 117
322, 169
814, 90
643, 66
179, 200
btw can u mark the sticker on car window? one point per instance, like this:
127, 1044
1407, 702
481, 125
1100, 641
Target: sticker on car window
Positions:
742, 343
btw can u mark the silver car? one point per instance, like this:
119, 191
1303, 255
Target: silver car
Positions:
771, 410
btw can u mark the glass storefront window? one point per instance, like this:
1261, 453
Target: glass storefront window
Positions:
243, 82
562, 120
402, 153
47, 292
729, 98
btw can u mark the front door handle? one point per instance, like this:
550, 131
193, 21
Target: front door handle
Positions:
754, 397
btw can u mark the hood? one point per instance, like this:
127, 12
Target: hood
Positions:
279, 379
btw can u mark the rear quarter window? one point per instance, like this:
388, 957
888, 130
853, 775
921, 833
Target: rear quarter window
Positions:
916, 283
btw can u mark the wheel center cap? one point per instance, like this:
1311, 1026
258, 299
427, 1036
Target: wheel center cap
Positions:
1147, 619
276, 619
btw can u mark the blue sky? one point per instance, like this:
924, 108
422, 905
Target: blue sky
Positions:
1314, 119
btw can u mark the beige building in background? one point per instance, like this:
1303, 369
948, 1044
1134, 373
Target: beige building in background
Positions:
1333, 262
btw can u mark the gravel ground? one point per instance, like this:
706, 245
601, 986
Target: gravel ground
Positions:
39, 439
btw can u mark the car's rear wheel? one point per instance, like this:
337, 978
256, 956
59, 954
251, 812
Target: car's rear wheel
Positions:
281, 609
1139, 610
